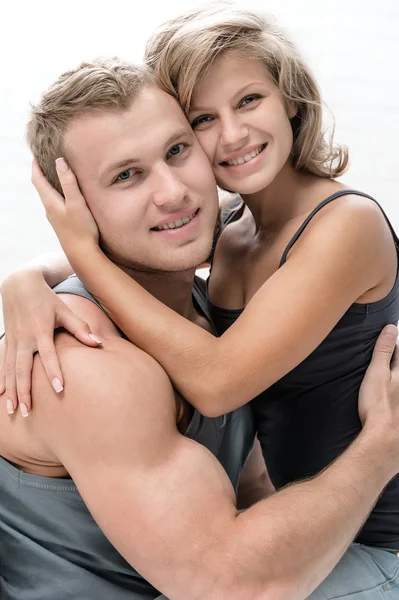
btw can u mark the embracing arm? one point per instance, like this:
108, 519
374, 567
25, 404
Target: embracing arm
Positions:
54, 267
154, 492
254, 483
31, 312
302, 301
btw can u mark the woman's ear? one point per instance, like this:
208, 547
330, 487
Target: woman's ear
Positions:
292, 109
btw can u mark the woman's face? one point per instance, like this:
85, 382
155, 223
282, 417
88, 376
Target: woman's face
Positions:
242, 122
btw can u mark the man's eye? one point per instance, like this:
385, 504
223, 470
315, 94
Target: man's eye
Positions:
125, 175
201, 120
176, 149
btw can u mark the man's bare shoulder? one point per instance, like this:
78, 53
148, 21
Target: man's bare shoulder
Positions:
114, 391
115, 388
100, 323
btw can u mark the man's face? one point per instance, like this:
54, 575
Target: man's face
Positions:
147, 182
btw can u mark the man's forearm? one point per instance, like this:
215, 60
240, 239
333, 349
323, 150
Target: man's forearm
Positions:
298, 535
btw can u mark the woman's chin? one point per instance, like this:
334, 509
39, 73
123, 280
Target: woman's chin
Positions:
245, 186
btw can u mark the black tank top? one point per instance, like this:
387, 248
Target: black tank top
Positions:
307, 418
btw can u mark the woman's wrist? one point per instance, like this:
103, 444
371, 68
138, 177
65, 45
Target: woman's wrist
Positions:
85, 258
25, 276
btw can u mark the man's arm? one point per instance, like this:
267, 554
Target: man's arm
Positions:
167, 505
254, 483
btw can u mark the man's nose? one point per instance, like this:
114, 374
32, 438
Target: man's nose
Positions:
232, 130
169, 189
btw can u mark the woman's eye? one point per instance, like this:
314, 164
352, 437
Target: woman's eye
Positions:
125, 175
202, 120
176, 149
249, 99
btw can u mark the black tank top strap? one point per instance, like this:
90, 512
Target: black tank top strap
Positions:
200, 298
320, 206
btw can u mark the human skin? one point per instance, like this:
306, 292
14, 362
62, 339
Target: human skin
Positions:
282, 547
236, 107
247, 358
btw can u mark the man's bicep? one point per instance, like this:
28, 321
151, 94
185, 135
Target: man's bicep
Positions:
162, 499
254, 483
170, 520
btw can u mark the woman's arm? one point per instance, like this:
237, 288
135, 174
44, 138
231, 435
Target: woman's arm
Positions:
346, 253
31, 312
337, 261
54, 267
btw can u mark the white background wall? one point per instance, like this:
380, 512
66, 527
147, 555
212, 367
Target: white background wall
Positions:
352, 45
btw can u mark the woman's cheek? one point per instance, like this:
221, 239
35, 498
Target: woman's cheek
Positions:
208, 142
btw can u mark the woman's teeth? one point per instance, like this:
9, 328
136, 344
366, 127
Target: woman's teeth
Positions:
176, 224
246, 158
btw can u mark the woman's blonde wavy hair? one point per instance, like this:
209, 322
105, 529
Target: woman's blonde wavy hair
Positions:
183, 49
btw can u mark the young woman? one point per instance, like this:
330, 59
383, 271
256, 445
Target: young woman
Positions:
313, 262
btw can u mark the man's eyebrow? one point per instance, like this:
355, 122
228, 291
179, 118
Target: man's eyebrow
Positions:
128, 162
194, 108
175, 137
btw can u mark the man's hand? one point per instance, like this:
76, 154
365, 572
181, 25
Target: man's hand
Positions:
70, 216
379, 392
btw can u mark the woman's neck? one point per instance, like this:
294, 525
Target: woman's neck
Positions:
287, 196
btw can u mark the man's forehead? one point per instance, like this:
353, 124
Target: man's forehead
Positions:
153, 120
149, 102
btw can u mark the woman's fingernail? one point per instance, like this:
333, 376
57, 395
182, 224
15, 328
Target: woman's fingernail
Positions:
57, 385
62, 165
24, 409
10, 407
95, 338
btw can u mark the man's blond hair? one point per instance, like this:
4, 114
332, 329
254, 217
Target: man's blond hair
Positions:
104, 84
182, 50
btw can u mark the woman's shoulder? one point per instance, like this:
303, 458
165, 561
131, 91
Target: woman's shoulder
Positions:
349, 208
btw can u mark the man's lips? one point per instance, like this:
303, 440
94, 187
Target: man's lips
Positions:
243, 156
176, 221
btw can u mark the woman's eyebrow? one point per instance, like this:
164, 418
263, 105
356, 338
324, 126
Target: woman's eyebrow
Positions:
242, 90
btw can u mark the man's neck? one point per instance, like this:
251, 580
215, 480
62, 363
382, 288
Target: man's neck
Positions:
171, 288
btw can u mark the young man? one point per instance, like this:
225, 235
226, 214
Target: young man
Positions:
120, 431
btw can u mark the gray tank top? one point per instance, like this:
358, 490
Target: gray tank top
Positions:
50, 546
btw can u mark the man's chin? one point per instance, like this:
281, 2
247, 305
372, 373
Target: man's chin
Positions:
189, 263
172, 262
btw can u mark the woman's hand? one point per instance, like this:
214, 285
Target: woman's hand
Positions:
32, 311
70, 217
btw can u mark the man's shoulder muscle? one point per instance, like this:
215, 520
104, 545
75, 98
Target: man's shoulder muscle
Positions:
99, 322
114, 390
